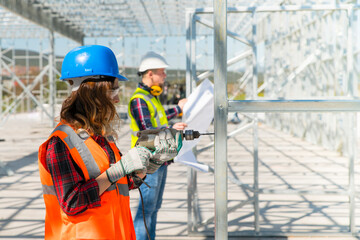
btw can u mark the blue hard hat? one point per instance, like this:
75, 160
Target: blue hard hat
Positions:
91, 60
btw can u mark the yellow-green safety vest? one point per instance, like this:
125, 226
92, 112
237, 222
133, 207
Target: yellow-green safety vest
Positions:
157, 113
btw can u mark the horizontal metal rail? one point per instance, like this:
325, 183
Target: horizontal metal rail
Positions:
294, 105
288, 8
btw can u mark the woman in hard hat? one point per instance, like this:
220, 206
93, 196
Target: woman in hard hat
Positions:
147, 112
84, 176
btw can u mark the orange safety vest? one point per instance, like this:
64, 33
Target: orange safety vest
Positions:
112, 220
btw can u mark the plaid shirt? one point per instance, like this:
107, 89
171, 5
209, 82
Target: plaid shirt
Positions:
74, 193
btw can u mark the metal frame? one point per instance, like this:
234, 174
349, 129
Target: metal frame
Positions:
223, 105
75, 20
13, 100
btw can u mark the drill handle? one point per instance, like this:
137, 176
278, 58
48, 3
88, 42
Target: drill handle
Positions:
148, 132
146, 138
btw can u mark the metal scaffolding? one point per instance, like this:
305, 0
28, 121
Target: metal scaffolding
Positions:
295, 57
18, 81
299, 57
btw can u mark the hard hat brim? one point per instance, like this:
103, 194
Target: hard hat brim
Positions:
122, 78
145, 68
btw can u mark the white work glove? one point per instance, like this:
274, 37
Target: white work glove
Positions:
167, 145
137, 159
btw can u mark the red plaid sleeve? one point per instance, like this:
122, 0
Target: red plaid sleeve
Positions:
131, 183
75, 195
139, 109
172, 112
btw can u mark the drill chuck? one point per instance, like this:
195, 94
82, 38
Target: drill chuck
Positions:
191, 134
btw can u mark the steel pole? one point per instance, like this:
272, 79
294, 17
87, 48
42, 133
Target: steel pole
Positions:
352, 88
188, 20
255, 129
220, 119
1, 83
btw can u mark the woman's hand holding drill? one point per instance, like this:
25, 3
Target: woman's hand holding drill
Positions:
167, 145
137, 159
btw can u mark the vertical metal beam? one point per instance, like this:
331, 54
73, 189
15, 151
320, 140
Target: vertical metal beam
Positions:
220, 119
190, 52
52, 84
188, 22
1, 82
190, 197
355, 93
41, 93
13, 52
27, 77
123, 66
352, 143
192, 85
193, 52
255, 127
197, 215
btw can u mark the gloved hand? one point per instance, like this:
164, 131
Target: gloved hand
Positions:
177, 133
137, 159
167, 145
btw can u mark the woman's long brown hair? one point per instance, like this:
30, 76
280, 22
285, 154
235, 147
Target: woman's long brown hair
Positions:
91, 108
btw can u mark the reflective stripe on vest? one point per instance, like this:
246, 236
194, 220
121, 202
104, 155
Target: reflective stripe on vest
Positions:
123, 189
74, 141
48, 190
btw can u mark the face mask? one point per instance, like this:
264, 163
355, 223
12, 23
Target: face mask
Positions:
156, 90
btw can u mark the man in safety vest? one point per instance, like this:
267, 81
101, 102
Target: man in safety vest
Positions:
146, 112
85, 178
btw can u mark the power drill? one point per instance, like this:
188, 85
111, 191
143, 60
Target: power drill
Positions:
146, 137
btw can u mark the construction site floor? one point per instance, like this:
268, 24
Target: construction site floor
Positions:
285, 163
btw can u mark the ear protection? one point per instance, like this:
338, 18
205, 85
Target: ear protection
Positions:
156, 90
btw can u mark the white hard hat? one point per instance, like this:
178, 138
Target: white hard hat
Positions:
152, 60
